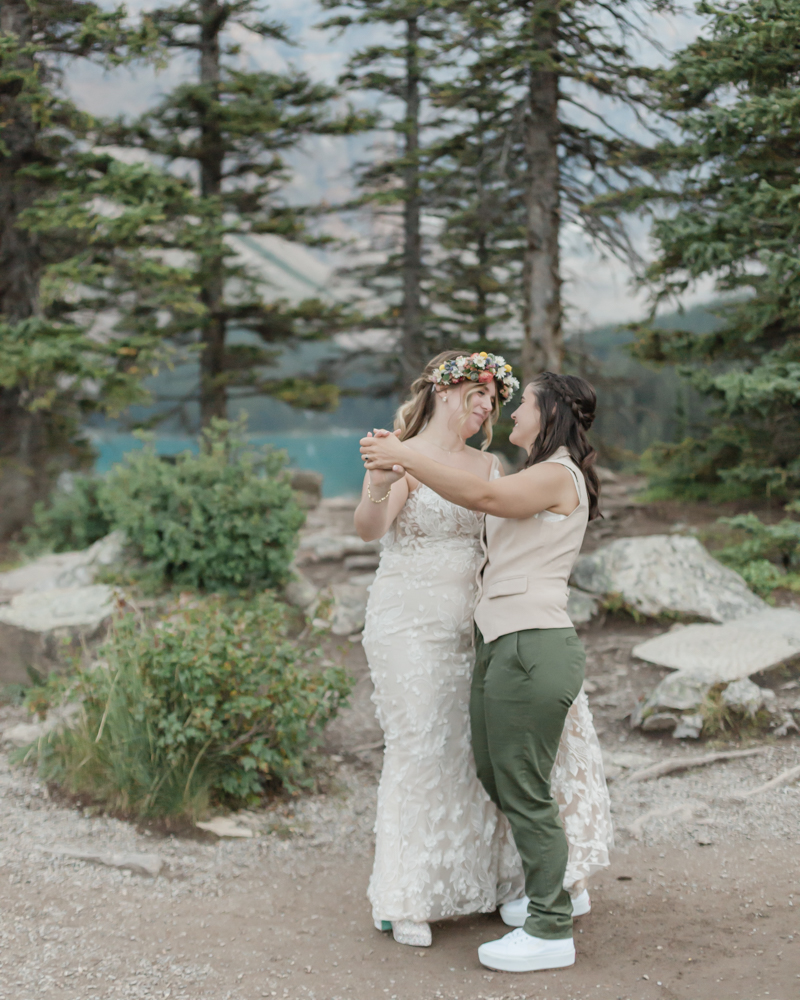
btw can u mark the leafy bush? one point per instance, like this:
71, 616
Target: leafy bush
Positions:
224, 519
207, 707
769, 556
74, 519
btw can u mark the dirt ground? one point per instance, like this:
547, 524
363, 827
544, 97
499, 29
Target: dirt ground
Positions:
702, 900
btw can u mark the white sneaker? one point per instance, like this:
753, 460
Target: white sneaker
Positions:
416, 935
515, 913
522, 952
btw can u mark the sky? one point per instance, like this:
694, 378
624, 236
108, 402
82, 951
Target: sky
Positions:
597, 289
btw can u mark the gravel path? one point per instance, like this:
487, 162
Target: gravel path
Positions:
284, 915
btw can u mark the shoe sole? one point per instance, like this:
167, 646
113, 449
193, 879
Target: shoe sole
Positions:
520, 921
538, 964
382, 925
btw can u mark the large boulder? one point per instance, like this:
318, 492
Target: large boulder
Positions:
63, 569
36, 628
714, 654
666, 574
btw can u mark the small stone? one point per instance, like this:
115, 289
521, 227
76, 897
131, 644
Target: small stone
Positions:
747, 697
300, 591
224, 826
362, 562
660, 722
350, 604
25, 733
689, 728
139, 864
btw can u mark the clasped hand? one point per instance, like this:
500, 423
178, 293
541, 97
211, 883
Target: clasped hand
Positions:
383, 451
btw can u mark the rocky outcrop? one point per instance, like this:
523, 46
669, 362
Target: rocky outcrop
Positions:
52, 606
666, 574
62, 570
714, 654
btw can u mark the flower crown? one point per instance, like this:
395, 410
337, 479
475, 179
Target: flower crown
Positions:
478, 367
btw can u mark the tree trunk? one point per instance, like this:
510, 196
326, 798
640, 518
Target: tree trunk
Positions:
213, 393
542, 345
411, 342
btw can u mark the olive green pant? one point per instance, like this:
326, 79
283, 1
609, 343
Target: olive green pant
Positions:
522, 689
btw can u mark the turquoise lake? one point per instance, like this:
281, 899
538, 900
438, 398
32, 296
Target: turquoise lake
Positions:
335, 454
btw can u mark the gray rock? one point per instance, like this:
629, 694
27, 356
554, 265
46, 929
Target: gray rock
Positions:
308, 486
660, 722
300, 591
36, 627
350, 604
747, 697
581, 607
320, 547
676, 692
25, 733
729, 652
369, 561
689, 728
64, 569
139, 864
659, 574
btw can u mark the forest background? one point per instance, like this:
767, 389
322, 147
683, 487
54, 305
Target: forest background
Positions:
476, 174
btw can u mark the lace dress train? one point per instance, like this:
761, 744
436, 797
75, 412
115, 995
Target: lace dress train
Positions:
442, 848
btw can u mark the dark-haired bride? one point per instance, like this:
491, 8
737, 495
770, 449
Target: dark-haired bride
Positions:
443, 847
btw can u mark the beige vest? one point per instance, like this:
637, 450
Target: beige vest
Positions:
528, 565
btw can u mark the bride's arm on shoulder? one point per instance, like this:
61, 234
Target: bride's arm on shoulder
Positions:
373, 517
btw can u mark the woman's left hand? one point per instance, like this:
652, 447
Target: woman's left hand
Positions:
384, 451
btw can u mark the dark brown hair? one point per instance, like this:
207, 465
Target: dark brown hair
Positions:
567, 405
417, 410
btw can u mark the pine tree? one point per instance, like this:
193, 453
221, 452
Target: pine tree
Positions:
235, 126
548, 72
395, 184
725, 198
50, 371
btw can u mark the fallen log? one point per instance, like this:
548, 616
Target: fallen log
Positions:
784, 778
685, 763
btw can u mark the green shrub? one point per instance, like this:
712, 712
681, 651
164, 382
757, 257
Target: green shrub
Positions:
223, 519
769, 555
209, 706
73, 520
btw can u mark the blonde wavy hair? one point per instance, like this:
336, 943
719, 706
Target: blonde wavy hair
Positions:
417, 410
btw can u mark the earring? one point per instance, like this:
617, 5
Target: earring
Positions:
444, 397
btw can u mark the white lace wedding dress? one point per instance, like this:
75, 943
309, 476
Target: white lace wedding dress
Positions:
442, 849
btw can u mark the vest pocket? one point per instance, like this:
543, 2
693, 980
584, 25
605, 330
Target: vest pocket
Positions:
505, 588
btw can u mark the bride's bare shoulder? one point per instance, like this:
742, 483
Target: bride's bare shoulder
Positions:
482, 460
